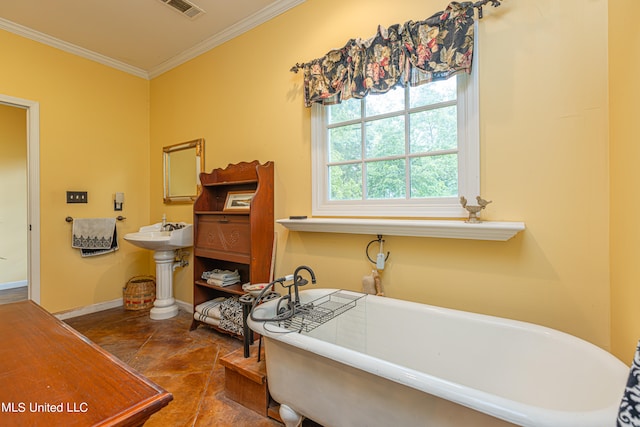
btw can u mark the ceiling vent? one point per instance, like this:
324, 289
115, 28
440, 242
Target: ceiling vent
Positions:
185, 8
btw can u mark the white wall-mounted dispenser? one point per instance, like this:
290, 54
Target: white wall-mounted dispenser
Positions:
118, 201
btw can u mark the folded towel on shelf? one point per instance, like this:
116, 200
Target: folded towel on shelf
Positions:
221, 277
206, 319
231, 318
223, 283
219, 274
94, 236
210, 308
629, 413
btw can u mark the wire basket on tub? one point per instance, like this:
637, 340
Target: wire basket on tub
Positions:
139, 293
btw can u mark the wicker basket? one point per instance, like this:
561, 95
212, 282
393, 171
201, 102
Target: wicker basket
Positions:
139, 293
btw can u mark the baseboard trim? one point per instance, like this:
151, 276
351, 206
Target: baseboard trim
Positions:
94, 308
101, 306
13, 285
186, 306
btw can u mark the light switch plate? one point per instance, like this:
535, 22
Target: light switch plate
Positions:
76, 197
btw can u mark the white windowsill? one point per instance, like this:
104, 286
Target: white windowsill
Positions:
454, 229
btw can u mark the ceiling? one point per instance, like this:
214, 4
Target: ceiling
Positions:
142, 37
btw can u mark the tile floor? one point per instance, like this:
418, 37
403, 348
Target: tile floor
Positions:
185, 363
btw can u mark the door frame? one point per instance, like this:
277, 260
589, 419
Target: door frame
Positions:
33, 190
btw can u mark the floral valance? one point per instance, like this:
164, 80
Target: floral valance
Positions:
411, 53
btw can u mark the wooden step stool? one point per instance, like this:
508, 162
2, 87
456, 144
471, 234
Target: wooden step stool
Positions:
245, 379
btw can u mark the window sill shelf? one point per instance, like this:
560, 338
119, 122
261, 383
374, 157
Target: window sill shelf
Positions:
487, 230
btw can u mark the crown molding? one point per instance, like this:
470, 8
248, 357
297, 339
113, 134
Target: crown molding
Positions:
229, 33
206, 45
37, 36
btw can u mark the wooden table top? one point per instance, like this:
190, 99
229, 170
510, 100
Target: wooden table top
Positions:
52, 375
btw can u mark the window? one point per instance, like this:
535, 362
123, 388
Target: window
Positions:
411, 152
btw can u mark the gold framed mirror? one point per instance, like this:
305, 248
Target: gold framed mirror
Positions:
182, 164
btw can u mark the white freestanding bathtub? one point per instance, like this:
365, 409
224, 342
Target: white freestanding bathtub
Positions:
386, 362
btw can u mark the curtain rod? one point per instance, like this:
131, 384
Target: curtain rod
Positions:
478, 5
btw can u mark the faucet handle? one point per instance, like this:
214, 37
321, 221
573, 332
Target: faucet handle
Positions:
301, 281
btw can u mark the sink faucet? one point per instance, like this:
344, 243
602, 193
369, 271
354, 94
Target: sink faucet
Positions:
170, 226
298, 280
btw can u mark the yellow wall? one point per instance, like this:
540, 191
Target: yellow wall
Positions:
545, 159
13, 194
94, 136
624, 92
544, 155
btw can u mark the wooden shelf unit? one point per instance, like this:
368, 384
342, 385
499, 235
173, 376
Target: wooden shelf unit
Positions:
232, 240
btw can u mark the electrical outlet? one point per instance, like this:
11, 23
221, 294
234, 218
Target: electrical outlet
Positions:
76, 197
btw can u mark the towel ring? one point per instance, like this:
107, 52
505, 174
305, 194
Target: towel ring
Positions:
379, 240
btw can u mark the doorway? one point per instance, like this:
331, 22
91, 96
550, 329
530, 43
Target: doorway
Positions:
27, 114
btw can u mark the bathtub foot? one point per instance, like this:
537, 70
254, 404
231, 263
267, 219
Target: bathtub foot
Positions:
289, 417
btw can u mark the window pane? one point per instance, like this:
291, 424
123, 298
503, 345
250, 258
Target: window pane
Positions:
385, 138
386, 179
434, 176
345, 143
432, 93
345, 182
346, 110
381, 103
434, 130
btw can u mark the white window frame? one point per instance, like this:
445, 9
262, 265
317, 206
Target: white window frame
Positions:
446, 207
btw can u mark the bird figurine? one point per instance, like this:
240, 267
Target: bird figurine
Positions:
482, 202
474, 210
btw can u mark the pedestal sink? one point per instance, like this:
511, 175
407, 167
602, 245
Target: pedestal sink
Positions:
164, 244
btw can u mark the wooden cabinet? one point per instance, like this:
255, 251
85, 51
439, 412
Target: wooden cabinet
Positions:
52, 375
233, 239
224, 237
